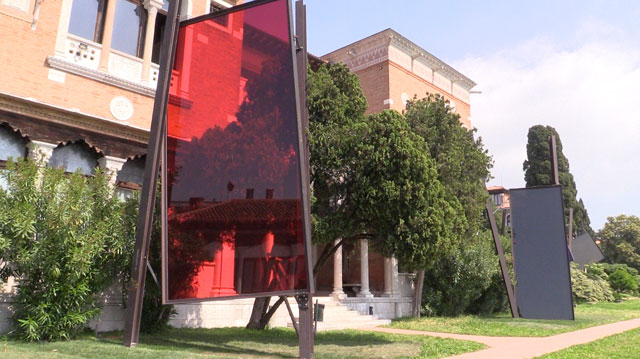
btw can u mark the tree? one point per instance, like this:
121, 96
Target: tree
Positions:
620, 238
463, 166
462, 162
537, 169
372, 177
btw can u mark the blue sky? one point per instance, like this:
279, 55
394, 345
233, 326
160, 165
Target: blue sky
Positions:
573, 65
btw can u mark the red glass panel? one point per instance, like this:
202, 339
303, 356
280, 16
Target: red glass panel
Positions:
233, 176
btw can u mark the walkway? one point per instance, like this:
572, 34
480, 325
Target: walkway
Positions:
525, 347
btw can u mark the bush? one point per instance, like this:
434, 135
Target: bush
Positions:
623, 281
155, 316
467, 281
63, 236
589, 288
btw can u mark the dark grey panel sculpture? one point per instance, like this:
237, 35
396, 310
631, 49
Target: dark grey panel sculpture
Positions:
585, 250
543, 289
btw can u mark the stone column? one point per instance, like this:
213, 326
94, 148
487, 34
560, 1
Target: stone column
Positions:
40, 151
152, 12
107, 34
364, 270
395, 282
338, 292
388, 278
111, 165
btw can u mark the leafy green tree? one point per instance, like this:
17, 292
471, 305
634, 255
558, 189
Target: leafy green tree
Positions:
63, 237
463, 166
462, 162
372, 177
620, 238
538, 172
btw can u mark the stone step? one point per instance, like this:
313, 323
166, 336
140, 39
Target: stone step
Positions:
338, 316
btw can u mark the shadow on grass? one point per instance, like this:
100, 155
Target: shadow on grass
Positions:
241, 341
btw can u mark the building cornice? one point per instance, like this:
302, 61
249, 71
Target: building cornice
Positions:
417, 52
36, 109
104, 77
358, 55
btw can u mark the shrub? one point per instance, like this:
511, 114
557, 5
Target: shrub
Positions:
589, 289
467, 281
63, 237
623, 281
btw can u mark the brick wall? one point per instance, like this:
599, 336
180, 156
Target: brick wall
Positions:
402, 81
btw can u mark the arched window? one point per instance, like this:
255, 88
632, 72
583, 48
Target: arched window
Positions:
77, 156
12, 145
130, 177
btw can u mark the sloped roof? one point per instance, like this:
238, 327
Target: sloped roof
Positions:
243, 211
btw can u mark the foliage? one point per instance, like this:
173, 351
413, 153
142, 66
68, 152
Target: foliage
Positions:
372, 178
589, 288
620, 238
63, 237
467, 280
623, 281
538, 172
462, 162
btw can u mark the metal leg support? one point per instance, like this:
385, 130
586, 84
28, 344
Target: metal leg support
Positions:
305, 326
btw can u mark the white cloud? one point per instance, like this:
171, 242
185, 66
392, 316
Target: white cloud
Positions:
590, 94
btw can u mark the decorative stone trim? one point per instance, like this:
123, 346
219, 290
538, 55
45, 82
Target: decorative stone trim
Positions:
33, 108
64, 65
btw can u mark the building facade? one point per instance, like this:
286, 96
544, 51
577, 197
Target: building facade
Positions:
392, 70
77, 84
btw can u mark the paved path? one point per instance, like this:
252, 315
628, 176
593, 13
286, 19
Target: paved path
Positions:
525, 347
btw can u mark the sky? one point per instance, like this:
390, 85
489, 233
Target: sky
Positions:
572, 65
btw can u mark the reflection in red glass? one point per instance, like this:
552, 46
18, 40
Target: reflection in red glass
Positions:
232, 136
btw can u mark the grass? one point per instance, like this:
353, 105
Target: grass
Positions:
587, 315
620, 346
240, 343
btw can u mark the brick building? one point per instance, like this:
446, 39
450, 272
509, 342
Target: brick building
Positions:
392, 69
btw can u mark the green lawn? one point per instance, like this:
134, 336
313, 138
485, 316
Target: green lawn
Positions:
587, 315
621, 346
241, 343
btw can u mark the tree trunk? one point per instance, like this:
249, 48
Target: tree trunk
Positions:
261, 313
260, 307
417, 296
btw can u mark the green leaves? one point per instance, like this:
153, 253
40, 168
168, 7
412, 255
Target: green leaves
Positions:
538, 172
56, 235
620, 238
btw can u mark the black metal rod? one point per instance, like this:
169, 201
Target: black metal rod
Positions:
570, 234
148, 193
293, 317
554, 160
503, 263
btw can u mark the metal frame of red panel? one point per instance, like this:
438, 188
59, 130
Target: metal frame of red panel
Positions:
157, 154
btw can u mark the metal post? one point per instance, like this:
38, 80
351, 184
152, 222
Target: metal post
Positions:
554, 159
503, 262
305, 307
570, 234
148, 193
305, 326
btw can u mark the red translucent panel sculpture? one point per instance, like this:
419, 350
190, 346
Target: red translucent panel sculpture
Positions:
233, 174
